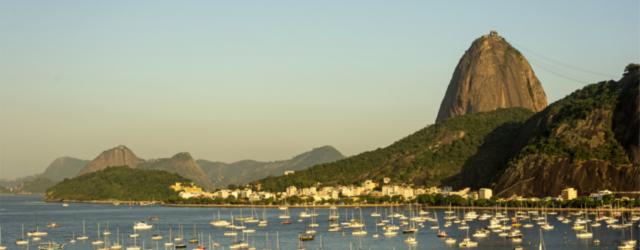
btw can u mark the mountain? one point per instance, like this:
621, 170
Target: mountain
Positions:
433, 155
117, 183
182, 164
37, 185
243, 172
118, 156
63, 167
490, 75
588, 140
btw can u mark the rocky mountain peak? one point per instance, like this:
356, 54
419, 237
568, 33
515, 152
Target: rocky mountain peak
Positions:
117, 156
491, 74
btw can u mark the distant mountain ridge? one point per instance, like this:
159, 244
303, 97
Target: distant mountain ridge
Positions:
245, 171
182, 164
64, 167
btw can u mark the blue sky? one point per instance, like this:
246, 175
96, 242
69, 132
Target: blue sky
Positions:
230, 80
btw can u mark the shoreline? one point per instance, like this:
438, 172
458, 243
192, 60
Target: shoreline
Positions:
635, 209
326, 206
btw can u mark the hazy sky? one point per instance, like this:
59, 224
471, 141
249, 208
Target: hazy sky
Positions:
268, 79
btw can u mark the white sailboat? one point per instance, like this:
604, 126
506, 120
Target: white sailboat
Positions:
219, 222
117, 245
84, 232
2, 247
169, 243
22, 241
97, 242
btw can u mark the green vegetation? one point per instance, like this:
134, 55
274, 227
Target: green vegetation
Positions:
562, 129
426, 157
118, 183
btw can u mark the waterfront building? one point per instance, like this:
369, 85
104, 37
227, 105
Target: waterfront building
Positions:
600, 194
569, 193
485, 193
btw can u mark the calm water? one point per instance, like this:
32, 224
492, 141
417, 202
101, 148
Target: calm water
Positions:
31, 211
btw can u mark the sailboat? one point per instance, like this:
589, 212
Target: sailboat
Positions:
627, 244
541, 244
194, 238
169, 243
84, 232
467, 242
135, 245
73, 238
219, 222
2, 247
179, 241
263, 222
97, 242
117, 245
360, 231
157, 236
375, 213
22, 241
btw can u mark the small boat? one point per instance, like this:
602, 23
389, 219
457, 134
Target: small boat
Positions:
307, 237
450, 241
359, 232
141, 225
50, 246
52, 225
411, 240
442, 234
65, 204
37, 233
467, 242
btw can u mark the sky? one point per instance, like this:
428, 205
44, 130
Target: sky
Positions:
266, 80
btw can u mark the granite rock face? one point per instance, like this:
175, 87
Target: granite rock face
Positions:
118, 156
491, 75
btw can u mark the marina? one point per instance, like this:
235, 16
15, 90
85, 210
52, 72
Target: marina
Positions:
101, 226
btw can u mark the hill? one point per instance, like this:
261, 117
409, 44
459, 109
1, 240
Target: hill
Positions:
430, 156
243, 172
182, 164
117, 183
588, 140
37, 185
491, 74
63, 167
118, 156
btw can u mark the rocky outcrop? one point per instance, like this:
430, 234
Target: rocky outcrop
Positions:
588, 140
182, 164
64, 167
491, 75
118, 156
